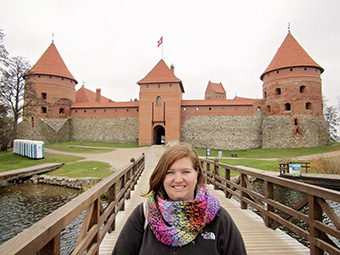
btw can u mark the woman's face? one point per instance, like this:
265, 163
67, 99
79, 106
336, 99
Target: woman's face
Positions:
180, 180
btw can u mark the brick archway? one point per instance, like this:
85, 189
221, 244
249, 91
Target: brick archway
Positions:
158, 134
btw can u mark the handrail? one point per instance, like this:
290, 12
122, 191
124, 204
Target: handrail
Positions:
276, 213
43, 237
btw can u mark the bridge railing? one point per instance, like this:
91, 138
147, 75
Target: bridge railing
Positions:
44, 236
312, 209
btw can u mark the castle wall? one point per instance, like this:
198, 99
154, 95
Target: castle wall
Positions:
47, 130
118, 130
294, 131
223, 132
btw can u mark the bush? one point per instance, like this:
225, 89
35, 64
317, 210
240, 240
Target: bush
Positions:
326, 165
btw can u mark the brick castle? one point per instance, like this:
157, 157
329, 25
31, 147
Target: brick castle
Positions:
289, 115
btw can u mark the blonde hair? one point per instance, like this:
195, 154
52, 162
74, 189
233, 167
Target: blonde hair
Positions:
169, 157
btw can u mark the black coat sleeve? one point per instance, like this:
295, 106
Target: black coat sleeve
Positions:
131, 236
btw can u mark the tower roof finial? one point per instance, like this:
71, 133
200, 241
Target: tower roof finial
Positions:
288, 27
52, 37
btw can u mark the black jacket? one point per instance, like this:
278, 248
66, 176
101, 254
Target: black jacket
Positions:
220, 237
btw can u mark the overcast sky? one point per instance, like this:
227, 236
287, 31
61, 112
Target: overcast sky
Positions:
113, 44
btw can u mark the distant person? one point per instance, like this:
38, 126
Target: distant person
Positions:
181, 215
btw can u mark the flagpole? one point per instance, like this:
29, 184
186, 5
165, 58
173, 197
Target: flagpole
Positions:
162, 48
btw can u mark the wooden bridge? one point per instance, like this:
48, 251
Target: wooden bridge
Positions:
101, 225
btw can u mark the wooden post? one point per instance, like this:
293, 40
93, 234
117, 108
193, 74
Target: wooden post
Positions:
52, 247
315, 214
111, 199
134, 171
227, 178
269, 194
243, 184
122, 185
215, 173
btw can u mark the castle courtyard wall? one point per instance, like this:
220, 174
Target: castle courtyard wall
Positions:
223, 132
117, 130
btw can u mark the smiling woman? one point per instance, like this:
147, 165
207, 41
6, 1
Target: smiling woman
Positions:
181, 214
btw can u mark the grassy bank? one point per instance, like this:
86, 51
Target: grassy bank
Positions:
272, 153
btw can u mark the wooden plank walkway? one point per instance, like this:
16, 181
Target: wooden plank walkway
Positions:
257, 237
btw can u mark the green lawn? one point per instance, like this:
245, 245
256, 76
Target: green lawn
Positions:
11, 161
83, 169
88, 147
272, 153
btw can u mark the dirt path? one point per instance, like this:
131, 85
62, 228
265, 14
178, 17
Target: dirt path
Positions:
117, 158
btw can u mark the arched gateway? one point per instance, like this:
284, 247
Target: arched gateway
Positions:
158, 135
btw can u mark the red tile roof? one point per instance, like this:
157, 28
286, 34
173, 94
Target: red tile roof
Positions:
217, 87
51, 63
84, 95
159, 74
290, 54
106, 105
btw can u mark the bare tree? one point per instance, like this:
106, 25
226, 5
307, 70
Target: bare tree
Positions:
12, 87
3, 51
331, 116
6, 129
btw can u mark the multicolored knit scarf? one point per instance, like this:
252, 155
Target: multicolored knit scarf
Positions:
177, 223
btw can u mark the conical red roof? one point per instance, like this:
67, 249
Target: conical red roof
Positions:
290, 54
51, 63
159, 74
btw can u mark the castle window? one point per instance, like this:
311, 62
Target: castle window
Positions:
196, 108
295, 121
302, 89
209, 108
62, 78
32, 121
84, 110
76, 110
50, 76
278, 91
297, 131
43, 109
94, 110
38, 76
127, 110
305, 69
308, 105
137, 110
268, 108
159, 85
170, 85
43, 95
147, 85
291, 69
158, 100
277, 71
259, 109
61, 110
287, 107
184, 109
105, 110
265, 94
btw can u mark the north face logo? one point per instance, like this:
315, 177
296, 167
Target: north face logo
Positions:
208, 235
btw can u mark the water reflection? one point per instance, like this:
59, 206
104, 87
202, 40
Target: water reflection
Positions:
24, 204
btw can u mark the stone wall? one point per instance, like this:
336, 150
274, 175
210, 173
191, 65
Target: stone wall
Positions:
223, 132
118, 130
294, 131
47, 130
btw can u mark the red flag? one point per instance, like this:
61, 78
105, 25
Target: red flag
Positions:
160, 41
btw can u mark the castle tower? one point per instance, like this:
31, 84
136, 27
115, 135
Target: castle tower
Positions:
215, 91
292, 99
54, 86
160, 97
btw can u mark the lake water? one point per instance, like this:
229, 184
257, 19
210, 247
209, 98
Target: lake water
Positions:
24, 204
